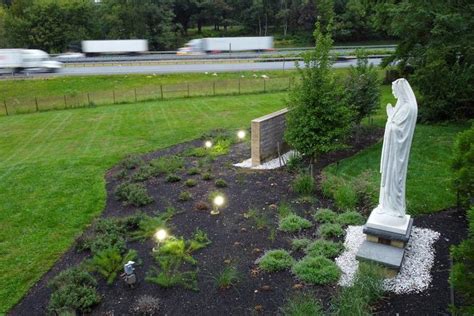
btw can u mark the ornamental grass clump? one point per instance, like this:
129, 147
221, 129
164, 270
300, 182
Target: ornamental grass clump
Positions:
316, 270
302, 305
293, 223
304, 184
330, 230
325, 248
325, 215
228, 277
350, 218
275, 260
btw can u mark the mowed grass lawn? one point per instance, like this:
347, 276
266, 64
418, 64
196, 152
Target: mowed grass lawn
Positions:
52, 168
429, 179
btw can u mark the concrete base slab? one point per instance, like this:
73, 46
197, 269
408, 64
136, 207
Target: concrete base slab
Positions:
388, 223
388, 234
388, 256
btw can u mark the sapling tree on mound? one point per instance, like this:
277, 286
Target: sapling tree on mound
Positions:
319, 118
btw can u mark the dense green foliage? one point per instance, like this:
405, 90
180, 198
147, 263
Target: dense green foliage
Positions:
133, 193
326, 248
275, 260
463, 166
325, 215
109, 262
350, 218
74, 290
318, 95
228, 277
316, 270
293, 223
302, 305
436, 43
56, 25
462, 272
330, 230
304, 184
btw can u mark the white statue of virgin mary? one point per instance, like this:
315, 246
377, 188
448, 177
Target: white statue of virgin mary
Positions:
397, 140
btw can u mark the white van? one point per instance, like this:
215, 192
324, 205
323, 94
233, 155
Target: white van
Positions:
17, 60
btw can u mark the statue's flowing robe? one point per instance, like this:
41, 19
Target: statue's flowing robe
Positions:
394, 161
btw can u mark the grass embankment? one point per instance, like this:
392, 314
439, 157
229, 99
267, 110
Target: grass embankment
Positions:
52, 167
429, 187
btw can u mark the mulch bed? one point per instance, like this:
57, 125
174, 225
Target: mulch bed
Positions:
236, 241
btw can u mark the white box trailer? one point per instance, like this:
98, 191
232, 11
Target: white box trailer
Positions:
17, 60
114, 47
227, 44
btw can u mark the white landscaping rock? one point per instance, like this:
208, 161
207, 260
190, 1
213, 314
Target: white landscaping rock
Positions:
272, 164
415, 273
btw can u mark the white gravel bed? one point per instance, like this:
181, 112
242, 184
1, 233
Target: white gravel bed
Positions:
415, 273
272, 164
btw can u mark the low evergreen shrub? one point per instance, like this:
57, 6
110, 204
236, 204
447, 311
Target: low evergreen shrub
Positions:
325, 215
131, 162
293, 223
275, 260
133, 193
325, 248
350, 218
316, 270
190, 183
185, 196
329, 230
172, 178
167, 164
299, 243
221, 183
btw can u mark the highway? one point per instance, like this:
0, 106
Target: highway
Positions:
194, 67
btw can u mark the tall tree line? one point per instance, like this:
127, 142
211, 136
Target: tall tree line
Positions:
54, 25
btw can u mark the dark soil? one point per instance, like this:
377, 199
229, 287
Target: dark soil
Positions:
236, 241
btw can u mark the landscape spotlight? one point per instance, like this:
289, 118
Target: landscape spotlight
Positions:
161, 235
208, 144
241, 134
218, 202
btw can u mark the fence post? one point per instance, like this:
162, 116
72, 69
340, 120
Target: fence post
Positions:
239, 85
5, 104
88, 99
188, 90
135, 90
113, 93
36, 103
65, 102
214, 87
161, 89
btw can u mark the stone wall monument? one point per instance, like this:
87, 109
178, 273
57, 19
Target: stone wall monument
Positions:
389, 227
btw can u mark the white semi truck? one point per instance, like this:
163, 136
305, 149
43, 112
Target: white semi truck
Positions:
97, 47
17, 60
226, 44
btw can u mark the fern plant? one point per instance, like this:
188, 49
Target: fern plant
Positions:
110, 261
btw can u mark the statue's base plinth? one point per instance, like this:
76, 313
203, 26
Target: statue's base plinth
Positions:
387, 237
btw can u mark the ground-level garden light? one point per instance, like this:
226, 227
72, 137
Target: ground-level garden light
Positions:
208, 144
160, 236
241, 134
218, 201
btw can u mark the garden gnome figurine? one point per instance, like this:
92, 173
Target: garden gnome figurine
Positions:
390, 214
129, 273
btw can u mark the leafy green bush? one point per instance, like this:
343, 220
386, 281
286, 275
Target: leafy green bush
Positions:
110, 261
330, 230
350, 218
144, 173
300, 243
304, 184
325, 215
207, 176
228, 277
293, 223
190, 183
345, 197
275, 260
131, 162
316, 270
133, 193
221, 183
199, 240
193, 171
367, 289
362, 88
73, 290
172, 178
325, 248
463, 166
185, 196
167, 164
461, 275
106, 233
302, 305
318, 95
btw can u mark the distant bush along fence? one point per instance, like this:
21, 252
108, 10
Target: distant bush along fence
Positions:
23, 105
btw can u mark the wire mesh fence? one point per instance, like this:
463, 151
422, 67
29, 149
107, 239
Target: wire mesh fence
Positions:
23, 105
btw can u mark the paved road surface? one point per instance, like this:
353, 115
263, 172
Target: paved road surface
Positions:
182, 68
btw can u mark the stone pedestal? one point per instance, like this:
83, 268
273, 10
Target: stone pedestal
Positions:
387, 237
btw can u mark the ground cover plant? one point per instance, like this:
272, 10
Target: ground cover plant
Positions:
275, 260
293, 223
316, 270
62, 157
325, 248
